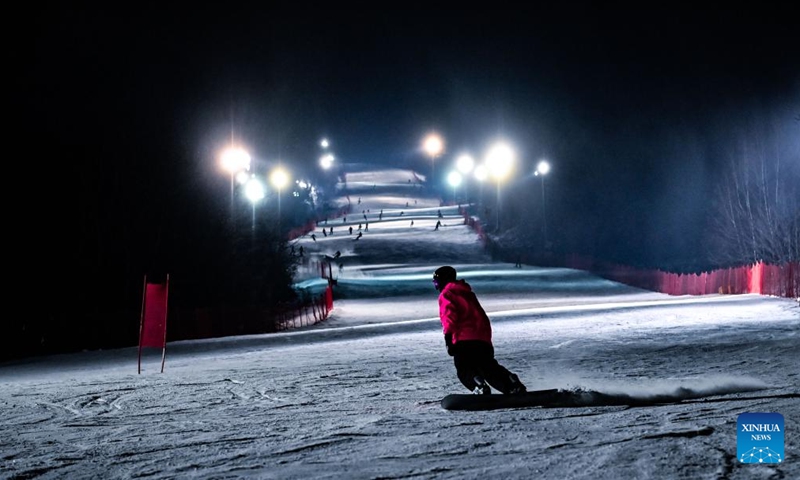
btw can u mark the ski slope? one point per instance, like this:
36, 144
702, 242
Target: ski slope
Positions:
358, 395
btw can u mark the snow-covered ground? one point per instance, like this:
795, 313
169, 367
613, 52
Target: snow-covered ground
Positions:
358, 396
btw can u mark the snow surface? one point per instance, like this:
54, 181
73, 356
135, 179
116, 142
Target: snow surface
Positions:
358, 396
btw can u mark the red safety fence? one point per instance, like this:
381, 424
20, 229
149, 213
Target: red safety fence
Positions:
314, 311
197, 323
761, 278
765, 279
310, 226
474, 224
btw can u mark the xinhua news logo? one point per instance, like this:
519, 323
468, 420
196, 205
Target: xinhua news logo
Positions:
759, 438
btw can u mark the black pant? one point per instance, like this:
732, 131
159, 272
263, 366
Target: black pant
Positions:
474, 358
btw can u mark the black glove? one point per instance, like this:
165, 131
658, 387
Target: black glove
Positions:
448, 342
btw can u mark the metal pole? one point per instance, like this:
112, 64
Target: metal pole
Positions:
232, 208
498, 206
544, 216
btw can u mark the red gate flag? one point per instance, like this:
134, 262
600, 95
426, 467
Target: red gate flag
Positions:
153, 323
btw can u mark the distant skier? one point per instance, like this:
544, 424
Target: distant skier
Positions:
351, 229
360, 234
314, 237
468, 337
438, 224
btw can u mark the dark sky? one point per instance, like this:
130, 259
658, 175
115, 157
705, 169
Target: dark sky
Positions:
630, 102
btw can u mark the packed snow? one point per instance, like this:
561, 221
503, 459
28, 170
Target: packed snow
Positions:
661, 379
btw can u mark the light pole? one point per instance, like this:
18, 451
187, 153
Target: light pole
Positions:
234, 160
499, 161
254, 191
465, 164
326, 161
279, 179
481, 173
541, 170
433, 145
454, 179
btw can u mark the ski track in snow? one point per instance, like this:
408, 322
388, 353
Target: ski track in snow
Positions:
659, 380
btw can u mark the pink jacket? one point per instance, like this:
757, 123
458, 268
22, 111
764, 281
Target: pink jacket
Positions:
462, 315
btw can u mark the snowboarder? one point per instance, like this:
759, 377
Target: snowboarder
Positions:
468, 337
360, 234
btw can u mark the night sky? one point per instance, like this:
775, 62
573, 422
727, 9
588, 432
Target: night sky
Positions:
126, 108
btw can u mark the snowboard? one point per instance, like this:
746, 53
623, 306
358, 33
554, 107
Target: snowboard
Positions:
469, 401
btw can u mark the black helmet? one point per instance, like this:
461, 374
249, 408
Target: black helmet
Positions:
442, 276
